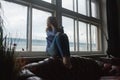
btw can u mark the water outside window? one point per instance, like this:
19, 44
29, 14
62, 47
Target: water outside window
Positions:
68, 29
82, 36
38, 30
15, 24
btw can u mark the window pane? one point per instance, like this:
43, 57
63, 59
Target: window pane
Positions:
94, 38
68, 4
38, 30
82, 7
82, 36
15, 21
94, 8
47, 1
68, 29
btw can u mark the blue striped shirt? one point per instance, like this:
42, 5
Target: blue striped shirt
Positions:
50, 37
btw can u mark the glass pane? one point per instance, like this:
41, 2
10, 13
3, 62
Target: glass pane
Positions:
82, 36
82, 7
15, 21
88, 37
38, 30
94, 8
68, 4
94, 38
68, 29
47, 1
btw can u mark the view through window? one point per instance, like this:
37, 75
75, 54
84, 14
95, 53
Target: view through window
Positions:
81, 31
68, 4
68, 29
15, 22
83, 36
38, 30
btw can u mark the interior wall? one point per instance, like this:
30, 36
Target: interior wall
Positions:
104, 25
118, 3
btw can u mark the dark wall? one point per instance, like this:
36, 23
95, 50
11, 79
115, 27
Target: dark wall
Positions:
113, 27
118, 4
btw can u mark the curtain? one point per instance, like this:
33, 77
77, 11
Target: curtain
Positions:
113, 28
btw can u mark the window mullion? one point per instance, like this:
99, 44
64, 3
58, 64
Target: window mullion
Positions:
58, 12
73, 5
29, 29
87, 37
74, 36
90, 9
27, 43
78, 36
87, 8
90, 38
77, 6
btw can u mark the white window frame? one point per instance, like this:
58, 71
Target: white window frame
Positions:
56, 9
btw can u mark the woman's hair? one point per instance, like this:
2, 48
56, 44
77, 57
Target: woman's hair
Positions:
52, 20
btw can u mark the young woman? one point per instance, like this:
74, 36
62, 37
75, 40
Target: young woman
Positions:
57, 42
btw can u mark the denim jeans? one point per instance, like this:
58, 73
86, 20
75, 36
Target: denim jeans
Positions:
59, 46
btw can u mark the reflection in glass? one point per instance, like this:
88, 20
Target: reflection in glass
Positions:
15, 21
38, 30
68, 29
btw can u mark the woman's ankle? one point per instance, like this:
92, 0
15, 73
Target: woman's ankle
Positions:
67, 62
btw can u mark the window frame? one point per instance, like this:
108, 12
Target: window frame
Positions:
53, 8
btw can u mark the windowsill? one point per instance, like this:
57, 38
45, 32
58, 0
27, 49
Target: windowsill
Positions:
44, 55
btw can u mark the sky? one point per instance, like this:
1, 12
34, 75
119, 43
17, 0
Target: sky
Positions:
15, 17
15, 21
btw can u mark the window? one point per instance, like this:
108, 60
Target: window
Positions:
15, 22
94, 38
82, 36
88, 37
68, 29
68, 4
94, 8
82, 6
38, 30
80, 23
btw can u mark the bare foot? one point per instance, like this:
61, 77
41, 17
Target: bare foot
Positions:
67, 62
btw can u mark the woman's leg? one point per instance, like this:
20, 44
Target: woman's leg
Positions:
63, 47
59, 46
62, 44
53, 51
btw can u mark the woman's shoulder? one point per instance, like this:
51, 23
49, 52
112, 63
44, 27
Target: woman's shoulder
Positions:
60, 29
